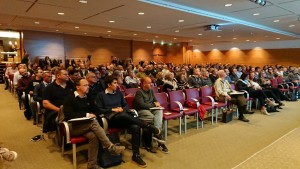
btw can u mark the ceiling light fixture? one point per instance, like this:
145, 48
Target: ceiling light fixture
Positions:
277, 38
141, 13
291, 26
76, 27
134, 34
111, 21
37, 23
149, 27
200, 34
61, 13
83, 1
228, 5
219, 36
108, 31
256, 14
276, 20
260, 2
247, 40
176, 31
180, 20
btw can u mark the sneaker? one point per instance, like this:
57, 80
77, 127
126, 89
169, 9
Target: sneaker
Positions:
163, 148
159, 140
116, 150
7, 155
139, 161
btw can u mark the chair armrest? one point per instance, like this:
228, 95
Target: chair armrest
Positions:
212, 100
180, 106
195, 100
134, 112
105, 123
247, 93
67, 131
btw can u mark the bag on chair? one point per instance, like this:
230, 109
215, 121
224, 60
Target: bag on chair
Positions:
105, 159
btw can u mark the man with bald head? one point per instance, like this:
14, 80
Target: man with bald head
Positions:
223, 90
143, 101
25, 87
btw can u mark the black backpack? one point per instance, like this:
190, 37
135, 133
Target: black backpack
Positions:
105, 159
292, 96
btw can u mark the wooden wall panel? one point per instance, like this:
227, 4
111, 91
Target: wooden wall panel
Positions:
142, 51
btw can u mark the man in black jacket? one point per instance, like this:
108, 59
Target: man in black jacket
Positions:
76, 106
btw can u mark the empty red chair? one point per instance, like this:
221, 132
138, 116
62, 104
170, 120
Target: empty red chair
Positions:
131, 91
208, 101
155, 89
162, 98
177, 103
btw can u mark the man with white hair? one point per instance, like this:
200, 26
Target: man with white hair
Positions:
223, 90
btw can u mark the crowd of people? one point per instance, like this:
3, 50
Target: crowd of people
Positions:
83, 89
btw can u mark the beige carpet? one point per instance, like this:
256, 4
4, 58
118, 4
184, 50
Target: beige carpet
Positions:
219, 146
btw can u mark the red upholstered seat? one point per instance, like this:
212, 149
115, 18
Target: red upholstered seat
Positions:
79, 139
162, 98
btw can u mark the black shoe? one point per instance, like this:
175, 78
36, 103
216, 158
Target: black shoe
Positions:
243, 119
279, 107
163, 148
6, 88
139, 161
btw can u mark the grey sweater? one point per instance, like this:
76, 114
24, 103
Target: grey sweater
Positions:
144, 100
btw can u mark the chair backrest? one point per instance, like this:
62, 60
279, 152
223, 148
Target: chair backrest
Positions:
233, 86
274, 83
60, 115
162, 98
155, 89
131, 91
129, 100
177, 95
279, 80
192, 93
206, 91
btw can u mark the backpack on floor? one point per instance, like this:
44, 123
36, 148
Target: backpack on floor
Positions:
292, 96
105, 159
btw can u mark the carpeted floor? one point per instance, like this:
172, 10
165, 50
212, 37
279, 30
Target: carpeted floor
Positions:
219, 146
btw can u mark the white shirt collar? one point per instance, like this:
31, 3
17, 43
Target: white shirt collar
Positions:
107, 92
77, 95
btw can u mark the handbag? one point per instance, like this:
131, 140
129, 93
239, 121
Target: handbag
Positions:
227, 115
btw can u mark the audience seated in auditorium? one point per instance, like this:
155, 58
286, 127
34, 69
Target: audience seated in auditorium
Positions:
195, 79
112, 104
77, 105
223, 90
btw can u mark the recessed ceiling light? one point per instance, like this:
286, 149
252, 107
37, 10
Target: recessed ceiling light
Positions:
228, 5
276, 20
234, 38
108, 31
200, 34
180, 20
61, 13
247, 40
83, 1
256, 14
219, 36
277, 38
134, 34
291, 26
141, 13
76, 27
149, 27
176, 31
111, 21
37, 23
